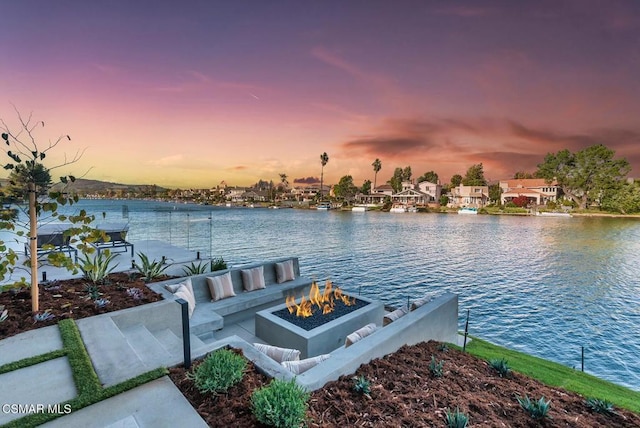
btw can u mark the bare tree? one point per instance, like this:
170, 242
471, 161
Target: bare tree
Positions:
26, 161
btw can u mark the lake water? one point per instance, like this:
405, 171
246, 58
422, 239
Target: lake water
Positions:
544, 286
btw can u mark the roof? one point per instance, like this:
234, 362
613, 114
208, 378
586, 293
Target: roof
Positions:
527, 182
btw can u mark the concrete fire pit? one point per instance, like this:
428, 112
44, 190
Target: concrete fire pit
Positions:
320, 340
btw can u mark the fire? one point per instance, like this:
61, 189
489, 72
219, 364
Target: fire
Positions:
323, 301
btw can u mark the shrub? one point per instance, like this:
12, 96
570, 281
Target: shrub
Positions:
536, 409
195, 269
218, 264
501, 366
456, 419
281, 404
44, 316
597, 405
362, 386
101, 303
93, 291
135, 293
219, 371
436, 367
150, 269
97, 269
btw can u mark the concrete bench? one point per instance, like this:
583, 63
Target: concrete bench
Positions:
210, 316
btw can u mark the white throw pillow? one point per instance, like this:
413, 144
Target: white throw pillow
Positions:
253, 279
183, 293
398, 313
359, 334
220, 286
285, 272
174, 287
420, 302
278, 354
299, 367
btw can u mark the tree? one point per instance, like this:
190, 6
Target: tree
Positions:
474, 176
324, 159
444, 200
625, 200
31, 176
21, 176
406, 174
587, 176
456, 180
366, 187
377, 166
429, 176
345, 188
522, 175
396, 180
495, 191
283, 180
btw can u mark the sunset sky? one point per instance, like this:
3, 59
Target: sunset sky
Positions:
190, 93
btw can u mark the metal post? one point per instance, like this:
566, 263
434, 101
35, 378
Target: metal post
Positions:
198, 255
582, 359
188, 230
186, 335
466, 331
44, 277
210, 236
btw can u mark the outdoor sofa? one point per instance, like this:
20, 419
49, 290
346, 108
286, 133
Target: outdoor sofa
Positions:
209, 315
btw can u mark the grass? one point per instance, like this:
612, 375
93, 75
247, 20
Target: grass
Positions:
90, 390
555, 374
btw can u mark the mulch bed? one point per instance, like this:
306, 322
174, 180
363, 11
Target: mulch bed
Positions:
70, 299
405, 394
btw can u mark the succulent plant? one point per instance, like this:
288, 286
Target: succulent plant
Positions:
362, 386
536, 409
43, 316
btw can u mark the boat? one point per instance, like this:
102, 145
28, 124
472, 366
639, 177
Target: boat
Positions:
553, 214
323, 206
360, 208
412, 209
398, 208
467, 211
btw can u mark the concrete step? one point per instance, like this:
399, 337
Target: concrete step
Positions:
150, 350
173, 343
113, 358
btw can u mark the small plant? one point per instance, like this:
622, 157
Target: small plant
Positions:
536, 409
362, 386
219, 371
501, 366
4, 314
150, 269
218, 264
52, 285
101, 303
443, 347
195, 269
44, 316
93, 291
97, 269
456, 419
135, 293
436, 367
597, 405
281, 404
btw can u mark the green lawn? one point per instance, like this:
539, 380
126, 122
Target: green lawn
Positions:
555, 374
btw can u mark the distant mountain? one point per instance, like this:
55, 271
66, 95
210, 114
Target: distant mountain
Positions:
83, 185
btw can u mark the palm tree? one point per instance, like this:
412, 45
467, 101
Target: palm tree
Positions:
324, 158
377, 166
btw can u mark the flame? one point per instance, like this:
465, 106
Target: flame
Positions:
324, 301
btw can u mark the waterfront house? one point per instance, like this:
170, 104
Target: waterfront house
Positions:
469, 196
537, 190
432, 190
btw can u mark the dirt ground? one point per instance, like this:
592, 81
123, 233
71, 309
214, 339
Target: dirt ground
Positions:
405, 394
70, 299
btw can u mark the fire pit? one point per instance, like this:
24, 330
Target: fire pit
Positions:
316, 333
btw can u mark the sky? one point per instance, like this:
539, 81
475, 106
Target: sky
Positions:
191, 93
